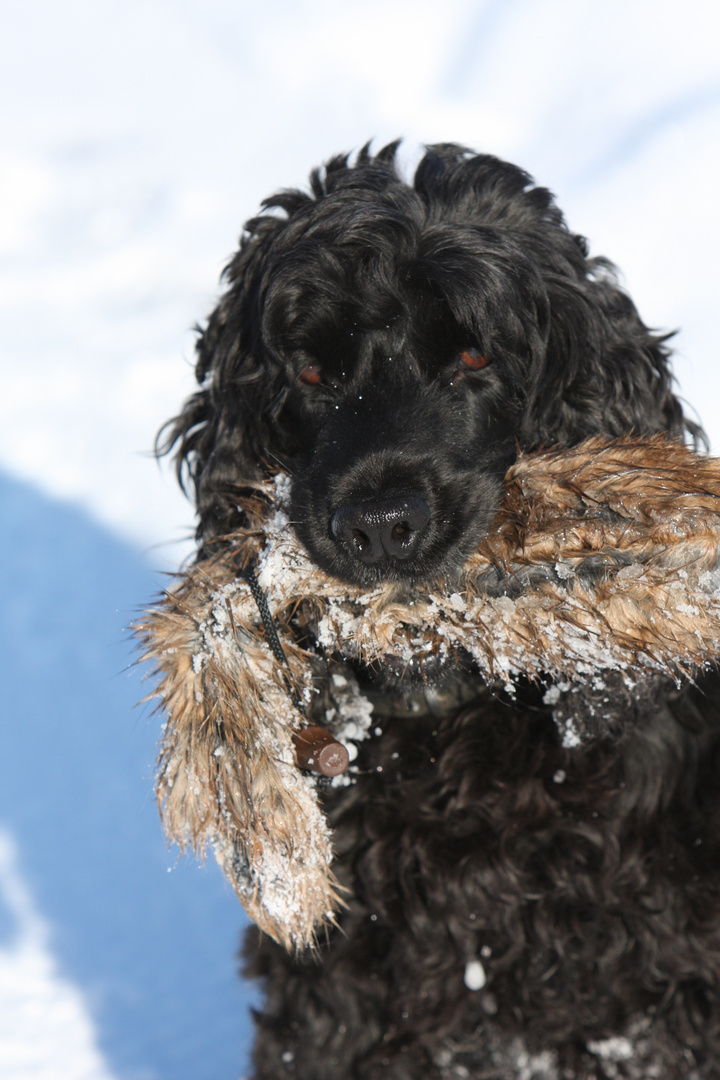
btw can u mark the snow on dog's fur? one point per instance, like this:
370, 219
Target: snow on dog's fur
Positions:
603, 562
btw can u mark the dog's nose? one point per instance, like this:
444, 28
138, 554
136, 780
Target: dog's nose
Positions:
382, 529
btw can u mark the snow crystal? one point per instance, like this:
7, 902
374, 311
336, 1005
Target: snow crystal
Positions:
283, 490
337, 624
343, 779
570, 735
633, 572
536, 1066
353, 709
505, 607
475, 977
617, 1048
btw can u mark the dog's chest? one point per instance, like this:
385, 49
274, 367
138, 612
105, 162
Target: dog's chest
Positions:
528, 882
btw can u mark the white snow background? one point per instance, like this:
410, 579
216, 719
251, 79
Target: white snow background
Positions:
135, 138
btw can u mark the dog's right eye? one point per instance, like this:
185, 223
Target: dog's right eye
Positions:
311, 374
472, 359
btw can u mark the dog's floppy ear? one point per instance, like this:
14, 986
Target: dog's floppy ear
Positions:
221, 435
604, 371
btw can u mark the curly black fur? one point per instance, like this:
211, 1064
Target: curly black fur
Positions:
376, 288
585, 882
392, 347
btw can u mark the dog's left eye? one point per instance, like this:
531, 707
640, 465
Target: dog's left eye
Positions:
311, 374
472, 359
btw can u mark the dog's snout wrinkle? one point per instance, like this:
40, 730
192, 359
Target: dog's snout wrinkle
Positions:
381, 530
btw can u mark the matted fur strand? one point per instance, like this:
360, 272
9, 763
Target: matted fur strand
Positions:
603, 563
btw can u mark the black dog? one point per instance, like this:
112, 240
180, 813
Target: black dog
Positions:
517, 909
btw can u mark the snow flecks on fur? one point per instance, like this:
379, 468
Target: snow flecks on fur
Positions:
350, 715
281, 557
474, 977
285, 886
632, 1055
227, 774
617, 1048
541, 1066
602, 570
604, 559
570, 736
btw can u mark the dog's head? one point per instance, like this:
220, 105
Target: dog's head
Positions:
391, 346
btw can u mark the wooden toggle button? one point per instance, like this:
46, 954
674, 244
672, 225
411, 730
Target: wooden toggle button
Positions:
319, 751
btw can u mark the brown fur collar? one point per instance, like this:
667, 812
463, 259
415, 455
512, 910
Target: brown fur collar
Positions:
602, 569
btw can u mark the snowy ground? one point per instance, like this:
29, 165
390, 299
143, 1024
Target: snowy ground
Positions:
135, 138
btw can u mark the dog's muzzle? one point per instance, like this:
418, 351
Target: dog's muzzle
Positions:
382, 530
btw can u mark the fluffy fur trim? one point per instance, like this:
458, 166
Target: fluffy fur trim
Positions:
601, 569
226, 768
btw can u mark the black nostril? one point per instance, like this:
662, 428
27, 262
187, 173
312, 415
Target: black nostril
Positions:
381, 529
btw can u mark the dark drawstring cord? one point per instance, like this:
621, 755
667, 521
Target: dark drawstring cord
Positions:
273, 638
315, 748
